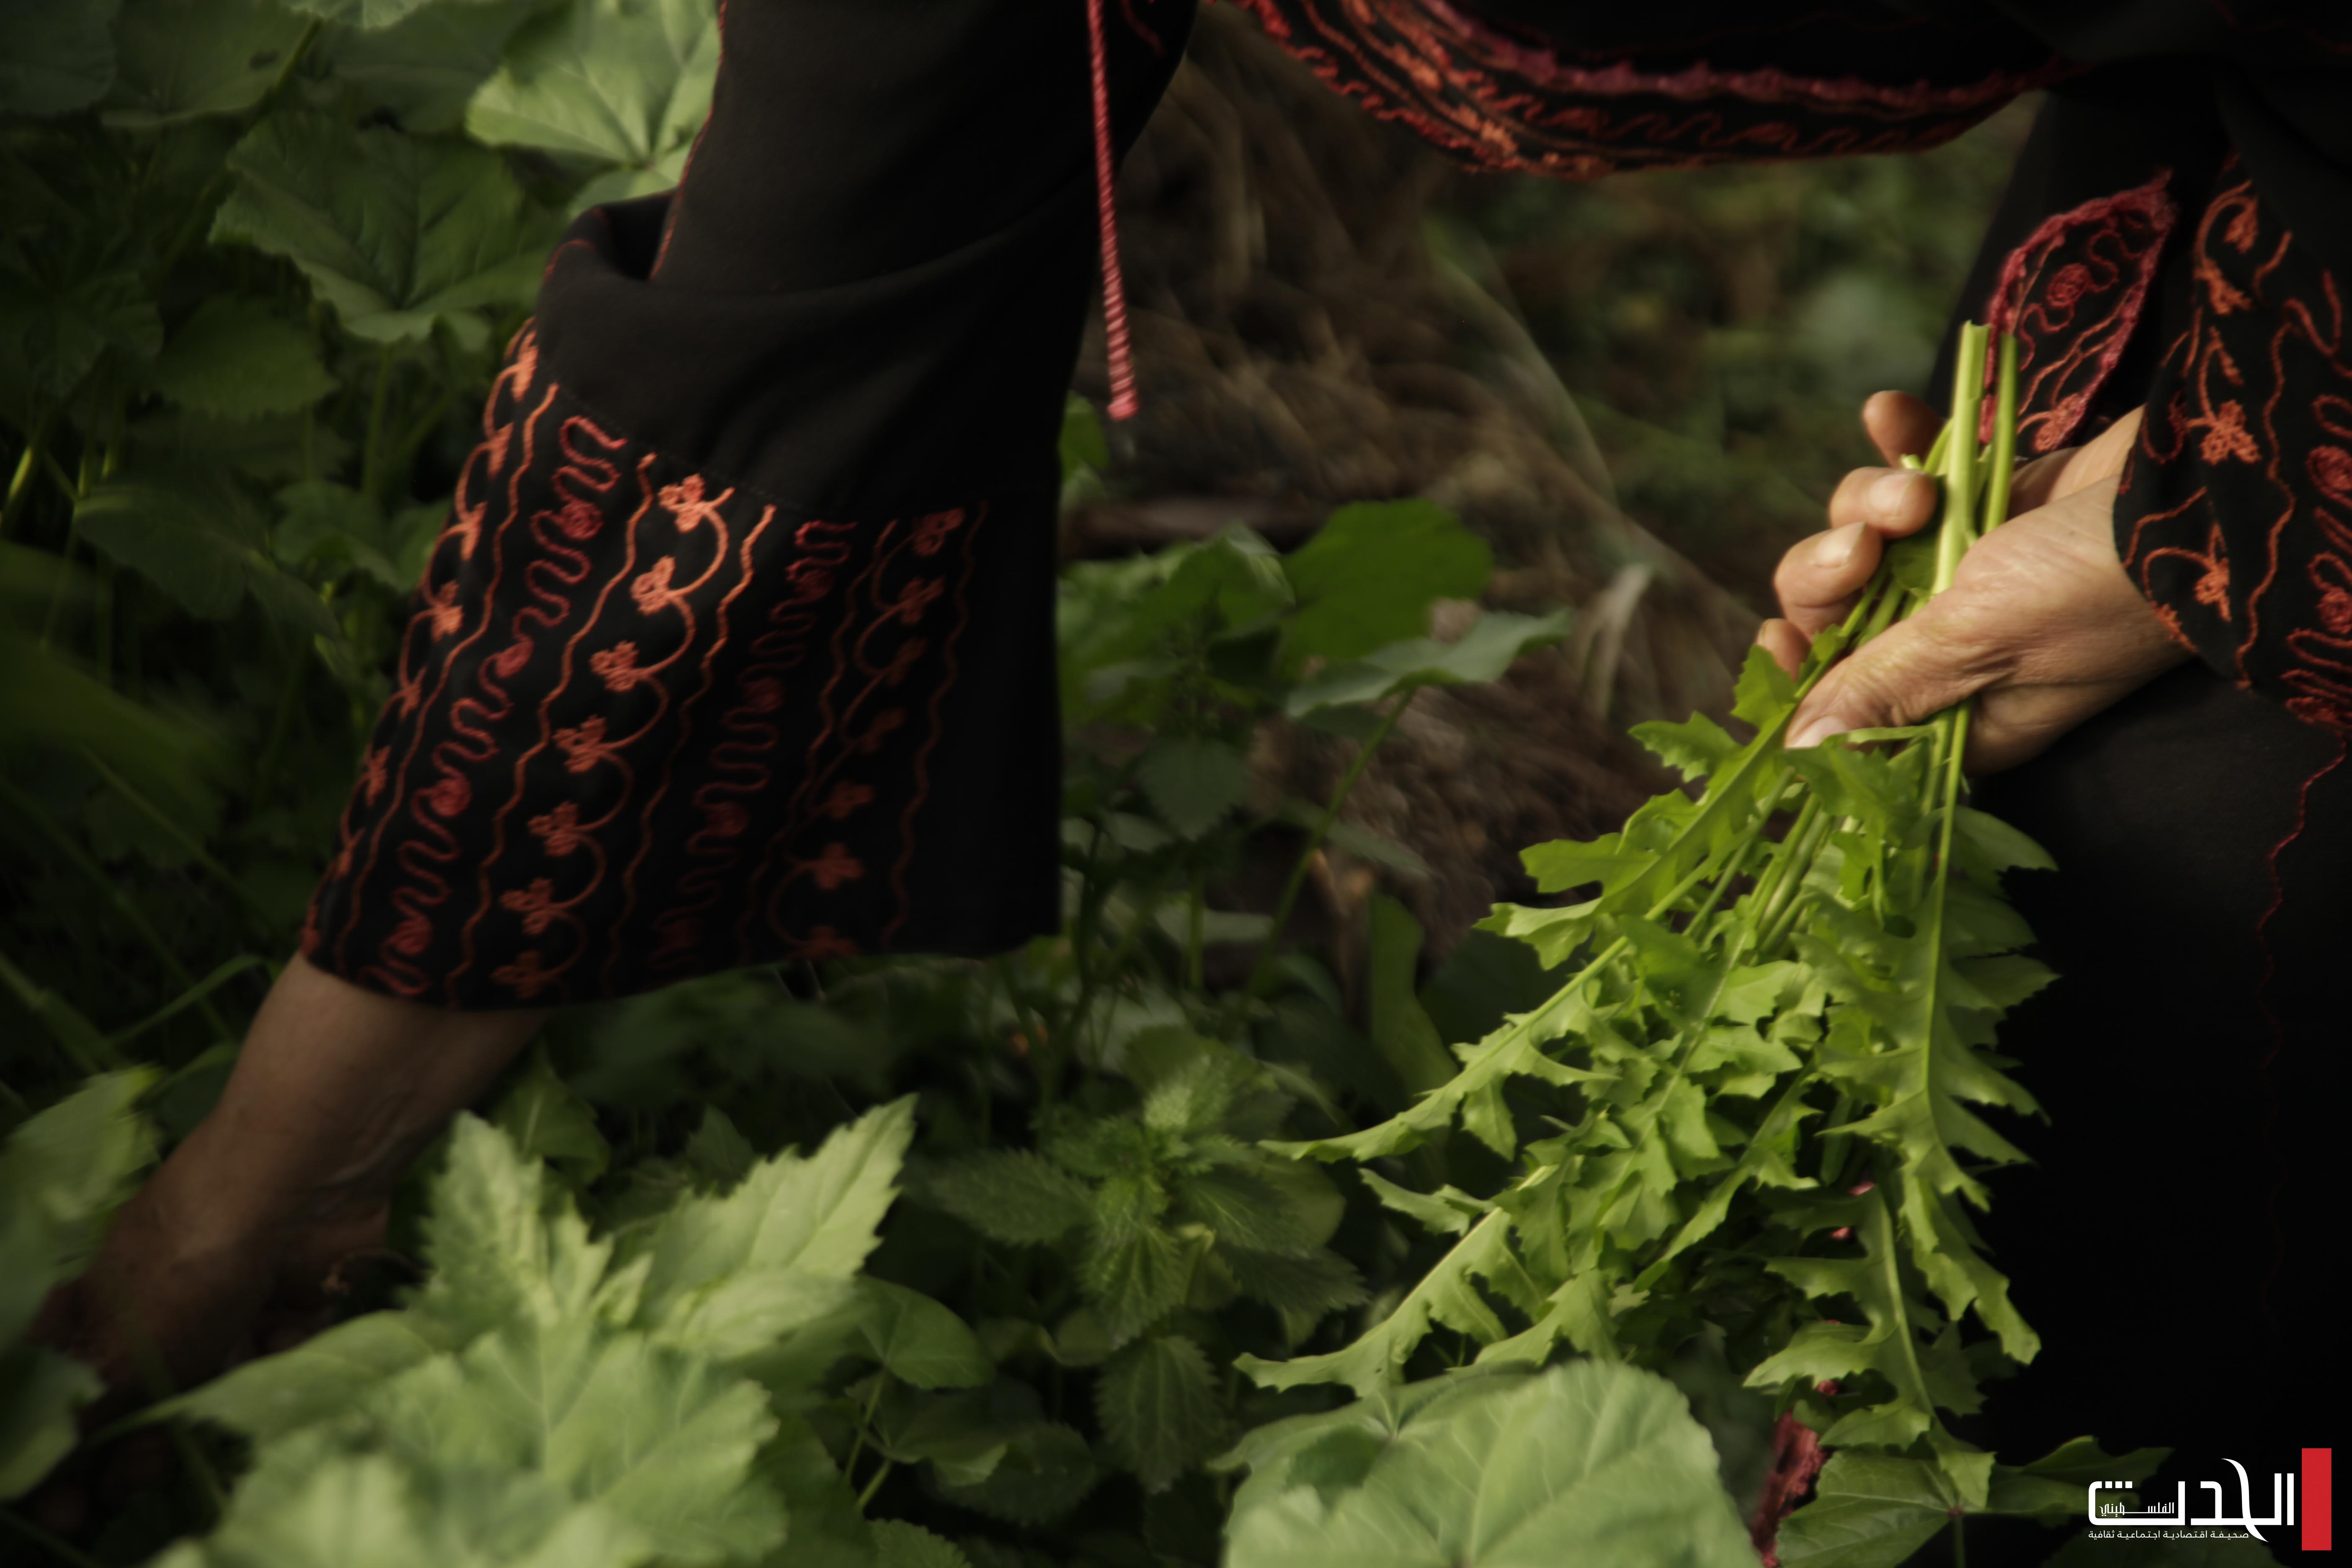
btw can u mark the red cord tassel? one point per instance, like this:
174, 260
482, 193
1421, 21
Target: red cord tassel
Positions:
1124, 404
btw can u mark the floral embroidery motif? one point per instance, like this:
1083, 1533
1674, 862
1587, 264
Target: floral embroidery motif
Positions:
643, 726
2072, 295
1498, 98
2236, 511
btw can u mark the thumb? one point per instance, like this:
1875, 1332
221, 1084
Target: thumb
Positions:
1903, 675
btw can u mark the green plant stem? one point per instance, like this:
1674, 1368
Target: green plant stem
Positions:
1262, 972
372, 454
33, 811
1959, 1541
864, 1425
20, 482
881, 1474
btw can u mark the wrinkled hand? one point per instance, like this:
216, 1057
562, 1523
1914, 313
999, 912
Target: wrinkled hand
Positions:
2041, 624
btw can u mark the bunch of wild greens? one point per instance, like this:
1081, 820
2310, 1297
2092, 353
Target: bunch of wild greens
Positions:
1751, 1107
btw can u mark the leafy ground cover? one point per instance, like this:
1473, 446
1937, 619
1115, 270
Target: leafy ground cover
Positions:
914, 1263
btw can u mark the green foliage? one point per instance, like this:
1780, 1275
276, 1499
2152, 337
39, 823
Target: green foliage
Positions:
255, 260
1588, 1462
398, 233
61, 1174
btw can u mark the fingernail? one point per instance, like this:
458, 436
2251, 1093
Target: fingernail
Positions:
1812, 731
1887, 496
1836, 547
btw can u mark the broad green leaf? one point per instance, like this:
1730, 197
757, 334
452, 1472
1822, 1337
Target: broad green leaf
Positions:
370, 1510
1010, 1196
1480, 654
1161, 1408
396, 232
318, 1379
1588, 1463
546, 1122
1371, 573
500, 1246
1869, 1510
1399, 1026
662, 1440
62, 1173
717, 1151
425, 68
1306, 1288
917, 1340
180, 59
238, 358
1046, 1472
364, 14
55, 56
897, 1545
1244, 1210
763, 1274
39, 1392
193, 535
58, 326
1192, 784
625, 83
1084, 445
1137, 1279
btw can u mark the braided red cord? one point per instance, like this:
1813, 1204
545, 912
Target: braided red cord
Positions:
1124, 405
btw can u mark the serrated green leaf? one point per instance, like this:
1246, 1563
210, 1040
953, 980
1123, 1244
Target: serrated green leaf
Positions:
238, 358
1694, 748
660, 1439
39, 1392
1192, 784
1447, 1294
546, 1122
1889, 1345
1869, 1510
717, 1152
398, 233
318, 1379
1159, 1408
1591, 1462
502, 1247
897, 1545
1046, 1471
370, 1510
1306, 1286
55, 56
182, 59
1136, 1278
1480, 654
1244, 1210
625, 83
1010, 1195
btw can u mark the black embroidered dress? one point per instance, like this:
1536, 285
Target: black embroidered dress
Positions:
739, 644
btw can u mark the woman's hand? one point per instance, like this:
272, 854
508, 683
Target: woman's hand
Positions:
2041, 624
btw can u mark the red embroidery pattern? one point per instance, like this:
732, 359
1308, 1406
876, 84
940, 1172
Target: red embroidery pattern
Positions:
2073, 294
632, 697
1503, 100
2236, 512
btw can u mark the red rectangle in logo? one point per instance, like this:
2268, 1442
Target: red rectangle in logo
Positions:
2317, 1501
